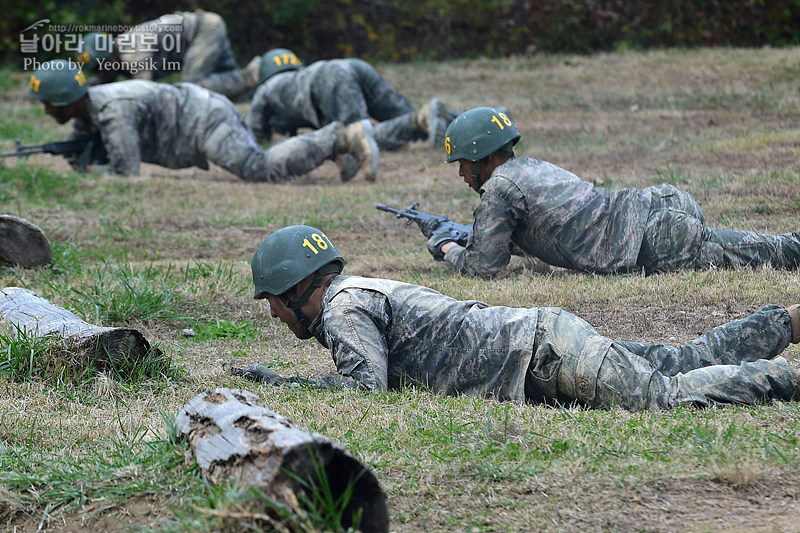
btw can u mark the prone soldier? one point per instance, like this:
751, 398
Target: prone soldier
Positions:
534, 208
292, 96
384, 334
184, 125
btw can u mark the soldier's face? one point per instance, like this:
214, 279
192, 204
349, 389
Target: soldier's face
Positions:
62, 113
278, 310
465, 171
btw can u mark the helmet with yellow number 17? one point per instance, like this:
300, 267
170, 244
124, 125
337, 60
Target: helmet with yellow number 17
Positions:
277, 60
477, 133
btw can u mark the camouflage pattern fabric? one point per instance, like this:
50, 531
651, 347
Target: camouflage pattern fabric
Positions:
535, 208
385, 334
198, 41
183, 125
344, 90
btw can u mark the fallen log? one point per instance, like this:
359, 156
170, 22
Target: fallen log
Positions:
34, 316
23, 243
235, 437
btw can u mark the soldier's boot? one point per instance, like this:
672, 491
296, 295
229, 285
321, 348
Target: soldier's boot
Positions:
250, 72
431, 120
794, 315
796, 376
357, 151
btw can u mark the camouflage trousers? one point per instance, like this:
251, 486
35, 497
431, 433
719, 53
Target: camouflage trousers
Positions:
208, 60
232, 146
735, 363
676, 237
365, 94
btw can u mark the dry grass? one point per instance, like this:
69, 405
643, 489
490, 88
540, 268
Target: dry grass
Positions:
722, 124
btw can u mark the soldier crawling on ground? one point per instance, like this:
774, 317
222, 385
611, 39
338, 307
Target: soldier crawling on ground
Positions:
184, 125
534, 208
292, 96
384, 334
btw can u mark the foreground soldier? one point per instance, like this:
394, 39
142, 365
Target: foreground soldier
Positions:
292, 96
385, 334
535, 208
196, 41
184, 125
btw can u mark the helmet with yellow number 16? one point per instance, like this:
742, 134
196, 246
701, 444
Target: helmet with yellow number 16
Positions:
277, 60
477, 133
288, 256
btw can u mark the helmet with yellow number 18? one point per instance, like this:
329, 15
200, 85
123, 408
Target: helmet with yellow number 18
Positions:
59, 82
277, 60
477, 133
288, 256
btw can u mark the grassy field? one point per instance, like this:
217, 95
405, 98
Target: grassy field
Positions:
170, 250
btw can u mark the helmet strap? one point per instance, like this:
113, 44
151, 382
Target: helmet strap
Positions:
476, 174
330, 268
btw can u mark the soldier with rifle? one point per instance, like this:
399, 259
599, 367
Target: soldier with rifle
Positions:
534, 208
184, 125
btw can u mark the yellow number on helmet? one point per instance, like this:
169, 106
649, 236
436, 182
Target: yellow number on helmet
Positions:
34, 83
447, 145
80, 78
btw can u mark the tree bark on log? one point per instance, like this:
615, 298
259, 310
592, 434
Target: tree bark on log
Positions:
33, 315
23, 243
235, 437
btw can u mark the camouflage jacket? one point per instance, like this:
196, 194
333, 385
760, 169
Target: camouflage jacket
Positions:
288, 100
536, 208
384, 334
152, 122
153, 44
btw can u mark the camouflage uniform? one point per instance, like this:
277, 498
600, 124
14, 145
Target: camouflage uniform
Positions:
532, 207
183, 125
198, 41
384, 334
347, 90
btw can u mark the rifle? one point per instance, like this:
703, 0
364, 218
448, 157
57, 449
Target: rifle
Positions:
87, 149
459, 232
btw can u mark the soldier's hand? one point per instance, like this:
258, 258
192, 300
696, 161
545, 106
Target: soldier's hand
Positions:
263, 374
256, 372
429, 226
435, 247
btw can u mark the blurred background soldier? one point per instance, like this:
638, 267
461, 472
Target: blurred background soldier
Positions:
194, 43
184, 125
292, 96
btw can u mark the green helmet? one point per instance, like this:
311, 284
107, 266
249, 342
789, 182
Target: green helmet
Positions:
275, 61
288, 256
477, 133
95, 46
59, 82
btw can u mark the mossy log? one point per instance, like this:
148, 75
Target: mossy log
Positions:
23, 243
34, 316
236, 438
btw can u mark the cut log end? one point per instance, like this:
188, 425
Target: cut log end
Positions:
236, 438
23, 243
